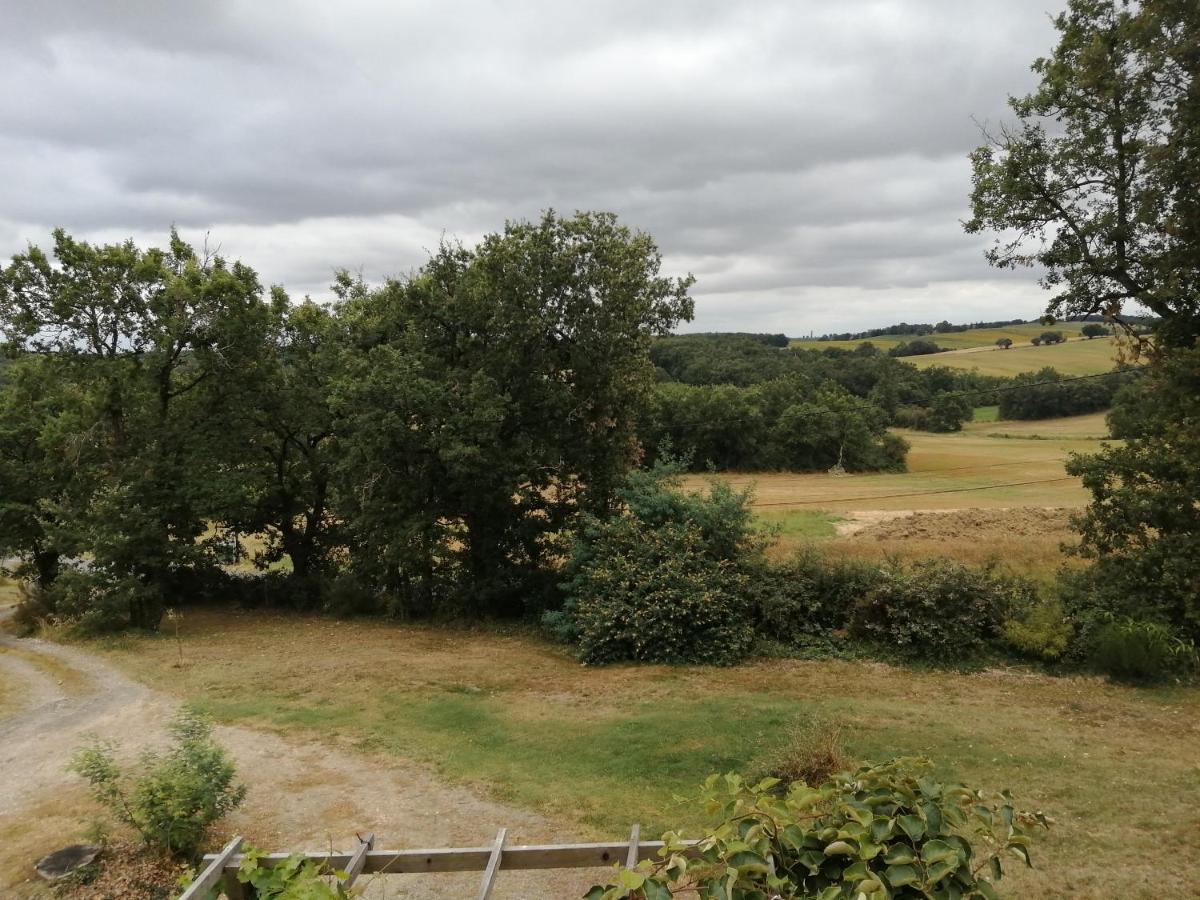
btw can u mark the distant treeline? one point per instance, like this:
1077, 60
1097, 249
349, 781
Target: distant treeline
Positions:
732, 402
906, 328
1047, 394
921, 329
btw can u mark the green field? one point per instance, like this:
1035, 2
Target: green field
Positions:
977, 350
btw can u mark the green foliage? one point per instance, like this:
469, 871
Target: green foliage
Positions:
135, 352
809, 595
1041, 630
169, 799
1048, 394
1140, 651
1142, 529
916, 347
937, 610
887, 831
490, 399
1094, 330
1098, 182
663, 580
295, 878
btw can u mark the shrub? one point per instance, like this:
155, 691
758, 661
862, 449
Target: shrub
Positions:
937, 610
884, 831
664, 580
1142, 651
295, 878
97, 601
656, 594
808, 595
172, 798
812, 752
1041, 631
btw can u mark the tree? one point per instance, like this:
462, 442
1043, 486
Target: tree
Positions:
1053, 337
285, 427
1099, 181
144, 343
491, 398
1093, 330
1004, 343
1099, 184
1036, 341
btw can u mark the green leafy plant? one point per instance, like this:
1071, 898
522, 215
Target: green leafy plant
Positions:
665, 580
885, 832
295, 878
1041, 631
938, 610
172, 798
1141, 651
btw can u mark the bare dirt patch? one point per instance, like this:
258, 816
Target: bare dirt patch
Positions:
955, 524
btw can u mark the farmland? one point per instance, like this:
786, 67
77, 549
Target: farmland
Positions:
976, 349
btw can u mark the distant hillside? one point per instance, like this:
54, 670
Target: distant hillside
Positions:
976, 349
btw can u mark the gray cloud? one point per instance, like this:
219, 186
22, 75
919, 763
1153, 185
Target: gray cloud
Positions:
807, 160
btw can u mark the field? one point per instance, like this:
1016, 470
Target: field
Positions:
977, 350
989, 465
597, 749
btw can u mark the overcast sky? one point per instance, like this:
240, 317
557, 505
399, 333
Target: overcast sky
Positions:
805, 159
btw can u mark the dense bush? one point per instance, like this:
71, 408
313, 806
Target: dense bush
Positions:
885, 831
915, 347
937, 610
1141, 651
170, 799
663, 580
1048, 394
808, 595
1040, 631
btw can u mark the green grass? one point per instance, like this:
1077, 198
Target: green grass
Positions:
521, 720
986, 414
800, 524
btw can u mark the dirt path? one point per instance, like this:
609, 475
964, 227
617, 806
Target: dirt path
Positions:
309, 796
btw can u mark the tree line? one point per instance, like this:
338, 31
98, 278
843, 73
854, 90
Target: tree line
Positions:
430, 438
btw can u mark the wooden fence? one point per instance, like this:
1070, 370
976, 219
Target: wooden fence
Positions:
220, 869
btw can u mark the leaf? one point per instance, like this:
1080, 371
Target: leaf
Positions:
899, 855
841, 848
939, 851
912, 826
656, 890
898, 876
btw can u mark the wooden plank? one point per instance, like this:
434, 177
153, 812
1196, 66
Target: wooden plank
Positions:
493, 866
475, 859
212, 873
355, 867
631, 858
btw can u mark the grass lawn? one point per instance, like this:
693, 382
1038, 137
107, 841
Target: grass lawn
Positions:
518, 718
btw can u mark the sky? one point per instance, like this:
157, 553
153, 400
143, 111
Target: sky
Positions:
806, 160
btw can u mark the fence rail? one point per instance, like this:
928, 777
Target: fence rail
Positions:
221, 868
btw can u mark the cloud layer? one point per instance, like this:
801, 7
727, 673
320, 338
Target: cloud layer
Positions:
806, 160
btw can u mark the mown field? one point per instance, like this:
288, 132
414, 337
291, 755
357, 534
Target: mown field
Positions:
520, 720
989, 465
977, 350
